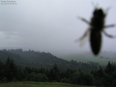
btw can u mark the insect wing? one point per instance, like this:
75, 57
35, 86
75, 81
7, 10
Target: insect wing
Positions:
84, 38
95, 41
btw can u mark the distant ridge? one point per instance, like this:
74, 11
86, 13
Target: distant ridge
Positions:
37, 59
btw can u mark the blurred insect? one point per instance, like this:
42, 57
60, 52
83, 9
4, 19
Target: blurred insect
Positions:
97, 26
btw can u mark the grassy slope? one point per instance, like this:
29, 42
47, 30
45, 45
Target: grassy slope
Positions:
38, 84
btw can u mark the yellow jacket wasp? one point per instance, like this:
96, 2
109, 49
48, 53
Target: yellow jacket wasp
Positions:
97, 26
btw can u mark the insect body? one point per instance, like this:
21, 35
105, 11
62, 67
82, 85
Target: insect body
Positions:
97, 25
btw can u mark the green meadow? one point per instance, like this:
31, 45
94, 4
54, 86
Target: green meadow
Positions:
38, 84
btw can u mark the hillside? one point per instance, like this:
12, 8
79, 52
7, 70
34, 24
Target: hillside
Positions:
42, 60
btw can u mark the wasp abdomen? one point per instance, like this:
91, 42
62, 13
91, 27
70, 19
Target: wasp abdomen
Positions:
95, 41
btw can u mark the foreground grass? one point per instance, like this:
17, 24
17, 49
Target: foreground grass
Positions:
38, 84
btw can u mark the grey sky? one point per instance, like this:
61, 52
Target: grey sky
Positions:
51, 25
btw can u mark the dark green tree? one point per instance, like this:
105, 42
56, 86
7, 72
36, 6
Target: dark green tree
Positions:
1, 70
82, 78
110, 68
54, 74
10, 69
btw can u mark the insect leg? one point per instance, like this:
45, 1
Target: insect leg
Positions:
83, 19
108, 26
111, 36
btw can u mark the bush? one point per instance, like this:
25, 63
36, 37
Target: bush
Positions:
82, 78
37, 77
65, 80
4, 80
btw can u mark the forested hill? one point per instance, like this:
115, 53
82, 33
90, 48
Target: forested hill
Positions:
41, 60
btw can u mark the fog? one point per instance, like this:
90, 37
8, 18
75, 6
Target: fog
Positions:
51, 25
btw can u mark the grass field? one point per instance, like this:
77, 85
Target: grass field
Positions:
38, 84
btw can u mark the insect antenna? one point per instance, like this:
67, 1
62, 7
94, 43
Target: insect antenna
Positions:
107, 9
94, 5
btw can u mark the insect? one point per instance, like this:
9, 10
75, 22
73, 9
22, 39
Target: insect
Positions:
97, 26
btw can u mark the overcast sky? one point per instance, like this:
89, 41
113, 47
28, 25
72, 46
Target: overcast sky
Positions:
51, 25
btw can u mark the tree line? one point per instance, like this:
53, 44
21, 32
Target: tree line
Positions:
43, 60
9, 71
